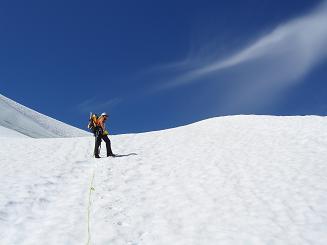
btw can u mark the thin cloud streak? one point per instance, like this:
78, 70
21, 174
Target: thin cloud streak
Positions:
299, 45
93, 105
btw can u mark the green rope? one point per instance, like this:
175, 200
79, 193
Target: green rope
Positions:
89, 209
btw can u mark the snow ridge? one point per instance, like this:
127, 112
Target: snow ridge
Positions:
33, 124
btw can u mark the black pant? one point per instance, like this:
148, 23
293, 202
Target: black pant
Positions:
98, 137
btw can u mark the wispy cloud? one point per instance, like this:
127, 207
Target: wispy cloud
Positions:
94, 105
281, 58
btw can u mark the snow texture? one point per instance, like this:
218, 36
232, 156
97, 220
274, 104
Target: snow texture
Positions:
231, 180
33, 124
6, 132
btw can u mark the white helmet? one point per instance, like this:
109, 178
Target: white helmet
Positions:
104, 114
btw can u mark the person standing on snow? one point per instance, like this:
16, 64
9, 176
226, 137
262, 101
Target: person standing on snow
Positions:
102, 134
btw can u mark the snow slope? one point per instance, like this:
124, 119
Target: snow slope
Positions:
230, 180
31, 123
6, 132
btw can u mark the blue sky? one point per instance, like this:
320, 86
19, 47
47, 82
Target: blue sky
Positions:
160, 64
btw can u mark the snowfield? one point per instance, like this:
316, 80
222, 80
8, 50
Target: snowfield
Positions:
231, 180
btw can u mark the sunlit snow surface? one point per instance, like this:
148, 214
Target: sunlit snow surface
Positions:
31, 123
231, 180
